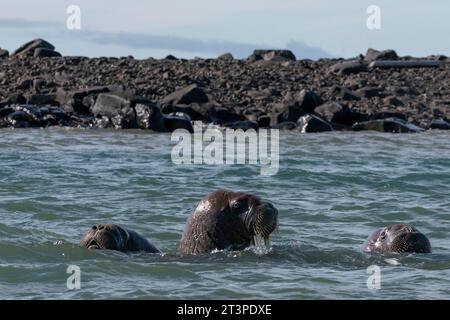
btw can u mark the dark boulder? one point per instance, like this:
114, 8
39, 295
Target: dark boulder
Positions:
14, 98
312, 123
149, 116
44, 52
344, 94
308, 100
370, 92
393, 125
388, 114
197, 112
81, 100
117, 108
21, 119
187, 95
220, 115
288, 125
372, 55
290, 112
439, 124
4, 53
348, 67
334, 112
43, 99
6, 111
173, 123
272, 55
29, 47
263, 121
226, 57
244, 125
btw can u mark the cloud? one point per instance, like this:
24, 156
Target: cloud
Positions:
152, 41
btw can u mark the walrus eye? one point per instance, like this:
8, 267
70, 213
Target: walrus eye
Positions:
239, 206
383, 235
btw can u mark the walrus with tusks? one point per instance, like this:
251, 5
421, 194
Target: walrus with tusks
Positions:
227, 220
114, 237
397, 238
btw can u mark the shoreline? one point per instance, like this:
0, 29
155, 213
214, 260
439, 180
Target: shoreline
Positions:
270, 89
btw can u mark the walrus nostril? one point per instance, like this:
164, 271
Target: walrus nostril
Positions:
101, 227
94, 227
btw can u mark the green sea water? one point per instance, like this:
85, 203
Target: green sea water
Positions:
332, 190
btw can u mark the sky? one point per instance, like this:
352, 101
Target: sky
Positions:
207, 28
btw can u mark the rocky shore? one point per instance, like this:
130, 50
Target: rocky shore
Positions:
270, 89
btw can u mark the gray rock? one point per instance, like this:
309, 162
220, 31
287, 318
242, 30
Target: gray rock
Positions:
393, 125
288, 125
187, 95
335, 113
44, 52
372, 55
312, 123
118, 109
348, 67
29, 47
439, 124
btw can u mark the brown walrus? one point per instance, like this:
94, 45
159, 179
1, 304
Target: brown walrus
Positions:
397, 238
114, 237
226, 220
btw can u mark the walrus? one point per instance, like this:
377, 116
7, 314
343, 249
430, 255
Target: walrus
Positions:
114, 237
227, 220
397, 238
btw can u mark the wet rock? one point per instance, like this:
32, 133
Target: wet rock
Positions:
388, 64
222, 115
244, 125
6, 111
372, 55
335, 113
439, 124
43, 99
196, 112
289, 113
308, 100
393, 125
29, 47
118, 109
312, 123
173, 123
288, 125
387, 114
187, 95
263, 121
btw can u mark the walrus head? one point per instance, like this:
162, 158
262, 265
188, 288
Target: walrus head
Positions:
397, 238
260, 218
227, 220
105, 236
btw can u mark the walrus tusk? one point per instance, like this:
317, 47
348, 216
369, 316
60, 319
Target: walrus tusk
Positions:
267, 241
261, 241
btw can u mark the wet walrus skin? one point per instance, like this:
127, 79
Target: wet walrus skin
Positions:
226, 220
397, 238
114, 237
